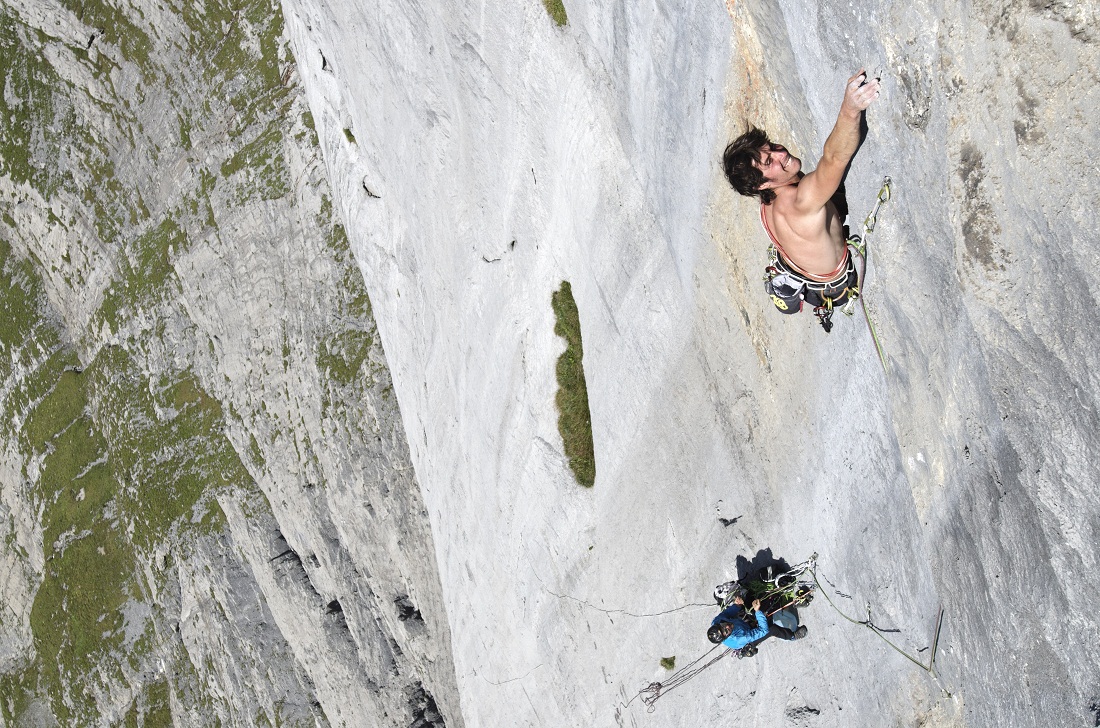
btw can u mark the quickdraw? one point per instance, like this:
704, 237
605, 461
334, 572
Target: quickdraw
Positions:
930, 668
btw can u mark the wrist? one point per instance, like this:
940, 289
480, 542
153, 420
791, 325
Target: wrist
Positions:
851, 114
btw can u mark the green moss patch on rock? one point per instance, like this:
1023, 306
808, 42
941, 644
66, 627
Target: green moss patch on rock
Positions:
556, 10
574, 417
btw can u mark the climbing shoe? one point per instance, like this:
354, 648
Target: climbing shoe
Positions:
799, 633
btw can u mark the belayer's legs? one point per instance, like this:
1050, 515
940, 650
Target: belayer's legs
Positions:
774, 630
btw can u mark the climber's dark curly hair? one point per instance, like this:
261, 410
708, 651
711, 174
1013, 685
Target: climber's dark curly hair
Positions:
738, 161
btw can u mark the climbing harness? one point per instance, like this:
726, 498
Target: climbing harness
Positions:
789, 286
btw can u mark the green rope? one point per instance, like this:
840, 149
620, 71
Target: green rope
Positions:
874, 334
869, 227
929, 668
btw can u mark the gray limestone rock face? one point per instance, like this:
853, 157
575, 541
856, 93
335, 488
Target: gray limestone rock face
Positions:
496, 154
222, 501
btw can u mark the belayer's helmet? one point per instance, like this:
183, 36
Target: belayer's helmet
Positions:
714, 634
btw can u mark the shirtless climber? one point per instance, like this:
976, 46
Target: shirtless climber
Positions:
796, 209
731, 629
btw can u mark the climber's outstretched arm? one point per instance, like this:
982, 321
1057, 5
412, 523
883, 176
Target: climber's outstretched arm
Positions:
818, 186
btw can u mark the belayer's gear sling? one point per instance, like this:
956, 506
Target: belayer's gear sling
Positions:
776, 590
789, 286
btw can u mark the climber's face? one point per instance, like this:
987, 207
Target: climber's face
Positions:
778, 166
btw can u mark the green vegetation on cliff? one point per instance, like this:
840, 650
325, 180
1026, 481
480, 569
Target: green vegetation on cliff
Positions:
123, 450
125, 465
556, 9
574, 417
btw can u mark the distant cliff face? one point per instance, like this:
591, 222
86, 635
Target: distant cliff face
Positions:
497, 154
208, 510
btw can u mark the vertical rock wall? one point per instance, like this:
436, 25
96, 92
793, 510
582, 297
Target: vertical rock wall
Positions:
481, 155
214, 511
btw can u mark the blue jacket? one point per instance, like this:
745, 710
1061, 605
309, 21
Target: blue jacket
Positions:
743, 633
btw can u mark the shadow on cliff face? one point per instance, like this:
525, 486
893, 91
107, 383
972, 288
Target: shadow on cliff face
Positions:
747, 569
840, 201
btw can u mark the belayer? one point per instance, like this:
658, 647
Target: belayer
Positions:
812, 261
734, 630
779, 588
